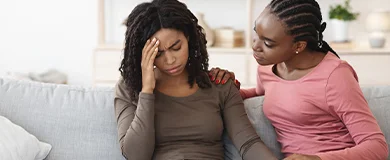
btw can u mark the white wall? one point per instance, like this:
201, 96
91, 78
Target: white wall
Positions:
36, 35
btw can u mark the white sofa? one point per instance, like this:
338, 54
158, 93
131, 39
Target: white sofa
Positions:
79, 122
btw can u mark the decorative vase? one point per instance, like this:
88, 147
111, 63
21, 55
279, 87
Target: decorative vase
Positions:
340, 30
209, 33
377, 23
377, 40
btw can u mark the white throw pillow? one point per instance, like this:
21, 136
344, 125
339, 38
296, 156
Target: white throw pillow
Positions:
17, 144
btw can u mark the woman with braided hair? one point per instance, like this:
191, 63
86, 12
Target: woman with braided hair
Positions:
165, 104
311, 97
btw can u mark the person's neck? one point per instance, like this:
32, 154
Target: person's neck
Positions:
164, 80
304, 60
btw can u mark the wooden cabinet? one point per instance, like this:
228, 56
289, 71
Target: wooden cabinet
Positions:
372, 66
106, 64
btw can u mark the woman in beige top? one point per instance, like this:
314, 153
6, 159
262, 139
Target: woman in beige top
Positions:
165, 104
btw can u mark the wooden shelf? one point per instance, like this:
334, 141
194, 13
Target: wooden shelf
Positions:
113, 47
352, 48
107, 57
341, 51
116, 47
228, 50
363, 51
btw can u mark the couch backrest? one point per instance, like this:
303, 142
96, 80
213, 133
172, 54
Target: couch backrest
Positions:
378, 98
78, 122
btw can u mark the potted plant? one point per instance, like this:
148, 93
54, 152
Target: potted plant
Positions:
340, 15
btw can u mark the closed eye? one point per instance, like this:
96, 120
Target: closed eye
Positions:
267, 44
176, 49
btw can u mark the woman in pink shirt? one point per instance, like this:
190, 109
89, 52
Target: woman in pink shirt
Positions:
312, 98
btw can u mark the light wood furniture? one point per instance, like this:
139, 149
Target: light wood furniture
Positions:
371, 65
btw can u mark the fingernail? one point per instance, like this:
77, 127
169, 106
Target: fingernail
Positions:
154, 39
217, 82
237, 82
223, 81
214, 78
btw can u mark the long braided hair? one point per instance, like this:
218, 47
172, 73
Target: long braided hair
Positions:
148, 18
303, 21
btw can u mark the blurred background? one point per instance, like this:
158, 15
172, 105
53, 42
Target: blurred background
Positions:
79, 42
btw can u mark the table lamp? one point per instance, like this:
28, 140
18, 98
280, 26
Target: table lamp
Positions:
377, 23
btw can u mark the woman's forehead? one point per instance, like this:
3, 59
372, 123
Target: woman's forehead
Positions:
269, 25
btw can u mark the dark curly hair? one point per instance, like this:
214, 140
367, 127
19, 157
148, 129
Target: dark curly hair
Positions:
303, 20
148, 18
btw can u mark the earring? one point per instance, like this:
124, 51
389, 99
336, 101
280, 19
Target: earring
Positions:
296, 52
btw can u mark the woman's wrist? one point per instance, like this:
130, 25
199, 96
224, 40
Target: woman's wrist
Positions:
147, 90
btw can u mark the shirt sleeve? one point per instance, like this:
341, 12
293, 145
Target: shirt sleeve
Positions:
135, 123
345, 100
248, 93
240, 130
253, 92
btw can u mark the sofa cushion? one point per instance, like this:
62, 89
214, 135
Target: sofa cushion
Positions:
378, 98
17, 143
263, 127
78, 122
254, 110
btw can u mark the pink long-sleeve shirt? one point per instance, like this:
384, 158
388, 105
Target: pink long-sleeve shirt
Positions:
323, 113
